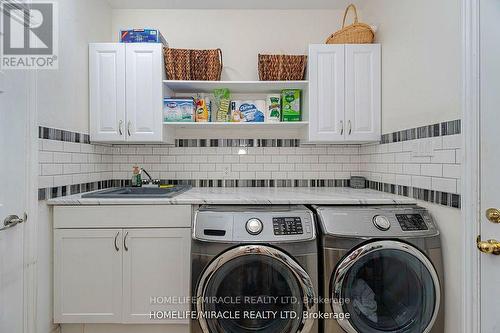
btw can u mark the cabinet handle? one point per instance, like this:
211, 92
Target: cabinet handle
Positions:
341, 127
120, 125
128, 128
125, 241
116, 237
350, 127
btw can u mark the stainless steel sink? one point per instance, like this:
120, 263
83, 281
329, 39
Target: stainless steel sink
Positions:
138, 192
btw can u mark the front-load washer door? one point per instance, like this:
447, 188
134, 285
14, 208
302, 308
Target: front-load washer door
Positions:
255, 288
386, 286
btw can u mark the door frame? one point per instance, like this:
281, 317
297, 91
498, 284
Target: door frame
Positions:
30, 236
470, 274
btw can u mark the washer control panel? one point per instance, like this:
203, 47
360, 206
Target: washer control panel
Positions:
411, 222
287, 226
254, 223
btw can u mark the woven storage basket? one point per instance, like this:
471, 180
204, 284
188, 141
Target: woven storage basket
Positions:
186, 64
273, 67
356, 33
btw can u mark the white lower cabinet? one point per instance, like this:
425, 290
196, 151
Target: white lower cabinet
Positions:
111, 275
87, 276
155, 265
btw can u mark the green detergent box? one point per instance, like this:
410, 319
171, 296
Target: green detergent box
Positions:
290, 104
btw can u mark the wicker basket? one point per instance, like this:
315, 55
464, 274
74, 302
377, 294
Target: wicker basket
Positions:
186, 64
356, 33
282, 67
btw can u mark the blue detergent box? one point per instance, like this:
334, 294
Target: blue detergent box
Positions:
142, 36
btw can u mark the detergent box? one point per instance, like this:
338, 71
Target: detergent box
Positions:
179, 109
142, 36
290, 105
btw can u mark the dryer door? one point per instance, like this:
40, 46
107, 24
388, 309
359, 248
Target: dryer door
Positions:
255, 288
386, 286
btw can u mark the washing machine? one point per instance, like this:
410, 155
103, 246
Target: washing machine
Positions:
381, 269
254, 269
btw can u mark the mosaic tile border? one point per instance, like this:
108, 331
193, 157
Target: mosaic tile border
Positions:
62, 135
441, 129
436, 197
237, 143
60, 191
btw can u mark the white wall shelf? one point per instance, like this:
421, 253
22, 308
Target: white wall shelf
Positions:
229, 125
235, 87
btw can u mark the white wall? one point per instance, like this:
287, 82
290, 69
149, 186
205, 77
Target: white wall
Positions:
448, 221
62, 102
241, 34
421, 60
63, 93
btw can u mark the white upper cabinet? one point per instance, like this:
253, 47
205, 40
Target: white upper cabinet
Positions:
362, 92
126, 92
144, 99
344, 93
326, 93
107, 91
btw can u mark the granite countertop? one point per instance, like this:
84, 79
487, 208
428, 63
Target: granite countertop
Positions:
252, 196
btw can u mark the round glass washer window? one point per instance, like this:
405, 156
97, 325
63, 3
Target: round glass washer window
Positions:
264, 285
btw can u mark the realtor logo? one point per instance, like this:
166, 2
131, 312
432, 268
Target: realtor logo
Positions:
29, 35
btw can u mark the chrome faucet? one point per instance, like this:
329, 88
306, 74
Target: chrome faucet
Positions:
151, 182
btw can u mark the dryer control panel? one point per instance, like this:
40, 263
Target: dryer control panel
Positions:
411, 222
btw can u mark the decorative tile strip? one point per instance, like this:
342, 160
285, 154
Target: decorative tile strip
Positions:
441, 198
61, 191
237, 143
445, 128
62, 135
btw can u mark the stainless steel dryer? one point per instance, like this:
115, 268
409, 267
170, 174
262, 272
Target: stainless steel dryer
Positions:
381, 266
254, 269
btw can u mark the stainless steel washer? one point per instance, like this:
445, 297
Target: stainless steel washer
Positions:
258, 262
381, 266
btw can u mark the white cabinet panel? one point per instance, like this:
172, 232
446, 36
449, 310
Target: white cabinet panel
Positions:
107, 91
362, 87
326, 92
156, 263
87, 276
144, 92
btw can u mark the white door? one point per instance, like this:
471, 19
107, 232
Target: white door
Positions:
326, 93
107, 91
156, 263
490, 159
14, 120
362, 92
88, 275
144, 92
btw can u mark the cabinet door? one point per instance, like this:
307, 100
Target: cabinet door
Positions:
362, 92
156, 263
87, 276
144, 92
107, 91
326, 93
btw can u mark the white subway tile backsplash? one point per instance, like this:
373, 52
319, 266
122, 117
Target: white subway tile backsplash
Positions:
444, 156
435, 170
421, 182
444, 185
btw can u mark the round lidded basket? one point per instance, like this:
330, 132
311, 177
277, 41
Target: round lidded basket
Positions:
277, 67
356, 33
